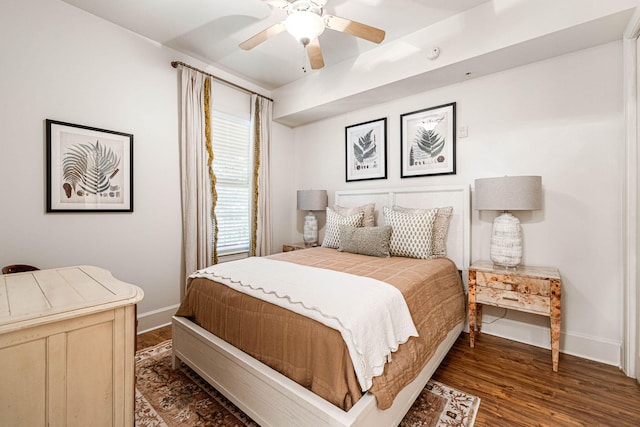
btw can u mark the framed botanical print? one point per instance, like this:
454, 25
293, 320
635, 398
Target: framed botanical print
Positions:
88, 169
428, 141
366, 150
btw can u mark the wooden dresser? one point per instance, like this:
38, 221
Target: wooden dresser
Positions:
67, 348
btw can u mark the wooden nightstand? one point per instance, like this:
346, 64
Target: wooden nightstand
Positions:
531, 289
288, 247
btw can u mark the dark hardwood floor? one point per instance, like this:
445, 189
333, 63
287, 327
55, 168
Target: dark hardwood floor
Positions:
517, 386
152, 338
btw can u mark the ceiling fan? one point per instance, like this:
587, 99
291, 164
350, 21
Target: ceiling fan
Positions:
306, 20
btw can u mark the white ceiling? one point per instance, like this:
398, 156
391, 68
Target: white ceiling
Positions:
476, 37
211, 30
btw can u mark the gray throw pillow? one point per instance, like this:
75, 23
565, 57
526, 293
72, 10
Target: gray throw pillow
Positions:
372, 241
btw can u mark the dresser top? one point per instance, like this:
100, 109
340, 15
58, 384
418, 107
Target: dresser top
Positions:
521, 270
42, 296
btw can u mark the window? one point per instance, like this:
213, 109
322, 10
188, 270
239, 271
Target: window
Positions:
232, 166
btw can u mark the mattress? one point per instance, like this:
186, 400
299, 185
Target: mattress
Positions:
315, 355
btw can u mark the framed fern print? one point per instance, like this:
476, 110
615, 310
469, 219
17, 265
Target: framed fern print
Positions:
88, 169
428, 141
366, 150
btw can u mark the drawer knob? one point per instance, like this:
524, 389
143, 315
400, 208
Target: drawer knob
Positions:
506, 282
511, 298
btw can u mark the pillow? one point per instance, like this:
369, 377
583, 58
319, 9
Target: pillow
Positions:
369, 219
334, 220
411, 235
439, 233
440, 228
372, 241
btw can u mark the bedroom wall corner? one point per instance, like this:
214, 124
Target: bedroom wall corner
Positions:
283, 195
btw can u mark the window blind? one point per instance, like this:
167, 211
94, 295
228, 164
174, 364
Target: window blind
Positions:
232, 166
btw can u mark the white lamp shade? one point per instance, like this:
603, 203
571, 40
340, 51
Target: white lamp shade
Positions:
304, 26
508, 193
312, 200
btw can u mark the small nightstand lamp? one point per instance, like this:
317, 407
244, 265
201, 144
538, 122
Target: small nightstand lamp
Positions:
311, 200
507, 193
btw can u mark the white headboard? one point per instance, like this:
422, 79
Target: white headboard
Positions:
459, 234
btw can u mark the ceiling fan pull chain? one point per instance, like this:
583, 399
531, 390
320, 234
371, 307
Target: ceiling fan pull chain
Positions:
304, 59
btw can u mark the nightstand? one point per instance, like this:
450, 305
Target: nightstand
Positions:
530, 289
288, 247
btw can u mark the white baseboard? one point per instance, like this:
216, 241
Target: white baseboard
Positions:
588, 347
155, 319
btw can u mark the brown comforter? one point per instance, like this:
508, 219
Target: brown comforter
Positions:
315, 355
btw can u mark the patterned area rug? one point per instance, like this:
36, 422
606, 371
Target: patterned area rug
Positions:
165, 397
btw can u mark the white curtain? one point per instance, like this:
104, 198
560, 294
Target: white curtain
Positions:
196, 172
261, 116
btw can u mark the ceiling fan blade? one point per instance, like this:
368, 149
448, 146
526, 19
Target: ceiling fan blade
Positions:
262, 36
354, 28
315, 54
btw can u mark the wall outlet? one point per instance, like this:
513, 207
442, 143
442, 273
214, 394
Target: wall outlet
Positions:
463, 131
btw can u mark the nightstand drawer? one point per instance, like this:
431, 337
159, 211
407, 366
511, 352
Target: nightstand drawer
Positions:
517, 300
525, 285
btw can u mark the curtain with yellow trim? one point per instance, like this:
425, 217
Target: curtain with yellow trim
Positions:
197, 178
261, 228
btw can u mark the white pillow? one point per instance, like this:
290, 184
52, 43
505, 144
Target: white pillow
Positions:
369, 219
411, 236
334, 221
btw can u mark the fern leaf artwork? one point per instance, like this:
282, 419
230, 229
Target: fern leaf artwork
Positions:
430, 142
365, 148
428, 145
90, 167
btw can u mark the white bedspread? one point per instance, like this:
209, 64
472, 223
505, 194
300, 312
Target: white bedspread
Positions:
371, 315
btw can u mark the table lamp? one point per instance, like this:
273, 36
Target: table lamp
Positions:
507, 193
311, 200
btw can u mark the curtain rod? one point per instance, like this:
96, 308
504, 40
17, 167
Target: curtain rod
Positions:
176, 64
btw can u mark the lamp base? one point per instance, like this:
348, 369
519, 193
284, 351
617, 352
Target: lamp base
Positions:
506, 241
310, 231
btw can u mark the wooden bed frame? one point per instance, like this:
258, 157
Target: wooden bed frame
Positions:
272, 399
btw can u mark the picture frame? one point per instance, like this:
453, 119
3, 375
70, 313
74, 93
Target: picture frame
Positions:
366, 150
88, 169
428, 142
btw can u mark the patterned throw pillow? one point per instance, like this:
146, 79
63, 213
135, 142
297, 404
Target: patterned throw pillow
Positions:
411, 236
440, 228
372, 241
334, 220
439, 233
369, 219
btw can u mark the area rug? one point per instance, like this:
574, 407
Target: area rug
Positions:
168, 398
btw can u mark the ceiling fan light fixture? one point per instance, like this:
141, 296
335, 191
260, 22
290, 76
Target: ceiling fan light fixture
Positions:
304, 26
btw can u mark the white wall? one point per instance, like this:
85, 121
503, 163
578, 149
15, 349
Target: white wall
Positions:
64, 64
562, 119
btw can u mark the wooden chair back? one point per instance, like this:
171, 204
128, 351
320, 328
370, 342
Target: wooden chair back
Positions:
18, 268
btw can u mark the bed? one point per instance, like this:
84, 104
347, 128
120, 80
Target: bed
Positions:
272, 398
